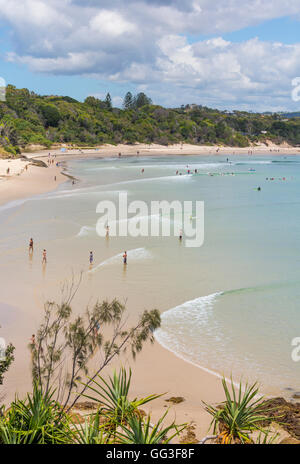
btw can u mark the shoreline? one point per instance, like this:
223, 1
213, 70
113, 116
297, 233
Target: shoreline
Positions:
141, 149
21, 183
173, 374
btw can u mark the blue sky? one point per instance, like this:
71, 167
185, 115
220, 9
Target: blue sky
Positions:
284, 29
224, 54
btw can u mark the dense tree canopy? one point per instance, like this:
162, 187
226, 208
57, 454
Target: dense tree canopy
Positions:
27, 118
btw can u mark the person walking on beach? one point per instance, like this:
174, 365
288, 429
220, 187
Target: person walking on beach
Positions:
31, 245
44, 261
91, 258
180, 235
125, 257
107, 230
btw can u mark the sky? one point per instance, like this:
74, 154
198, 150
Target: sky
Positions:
224, 54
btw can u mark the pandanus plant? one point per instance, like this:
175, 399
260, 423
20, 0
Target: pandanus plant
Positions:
36, 420
123, 421
113, 398
239, 416
140, 431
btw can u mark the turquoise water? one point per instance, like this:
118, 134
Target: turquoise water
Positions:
231, 305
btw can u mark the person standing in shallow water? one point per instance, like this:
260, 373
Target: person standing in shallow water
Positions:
91, 258
31, 245
125, 257
44, 261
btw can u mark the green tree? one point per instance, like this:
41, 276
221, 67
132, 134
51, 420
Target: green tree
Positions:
64, 346
141, 100
93, 102
51, 115
128, 101
108, 101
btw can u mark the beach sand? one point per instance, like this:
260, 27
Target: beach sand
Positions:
162, 150
21, 183
156, 370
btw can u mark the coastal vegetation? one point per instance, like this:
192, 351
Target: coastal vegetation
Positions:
6, 363
65, 344
68, 405
27, 118
40, 419
60, 353
241, 414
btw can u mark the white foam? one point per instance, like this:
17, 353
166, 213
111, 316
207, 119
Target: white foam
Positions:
89, 191
143, 221
137, 254
197, 309
194, 314
245, 162
151, 179
14, 204
102, 168
177, 166
85, 231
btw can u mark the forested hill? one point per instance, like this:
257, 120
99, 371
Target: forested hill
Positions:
27, 118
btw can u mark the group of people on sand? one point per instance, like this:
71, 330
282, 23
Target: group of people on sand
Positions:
51, 159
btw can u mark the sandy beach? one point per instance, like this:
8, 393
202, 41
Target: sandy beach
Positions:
24, 183
172, 376
21, 183
154, 149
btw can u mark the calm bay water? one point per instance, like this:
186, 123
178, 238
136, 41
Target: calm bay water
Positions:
231, 305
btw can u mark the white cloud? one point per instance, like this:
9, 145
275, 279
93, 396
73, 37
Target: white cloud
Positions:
146, 43
110, 23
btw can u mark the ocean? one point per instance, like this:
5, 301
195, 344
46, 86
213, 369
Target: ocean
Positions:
230, 306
